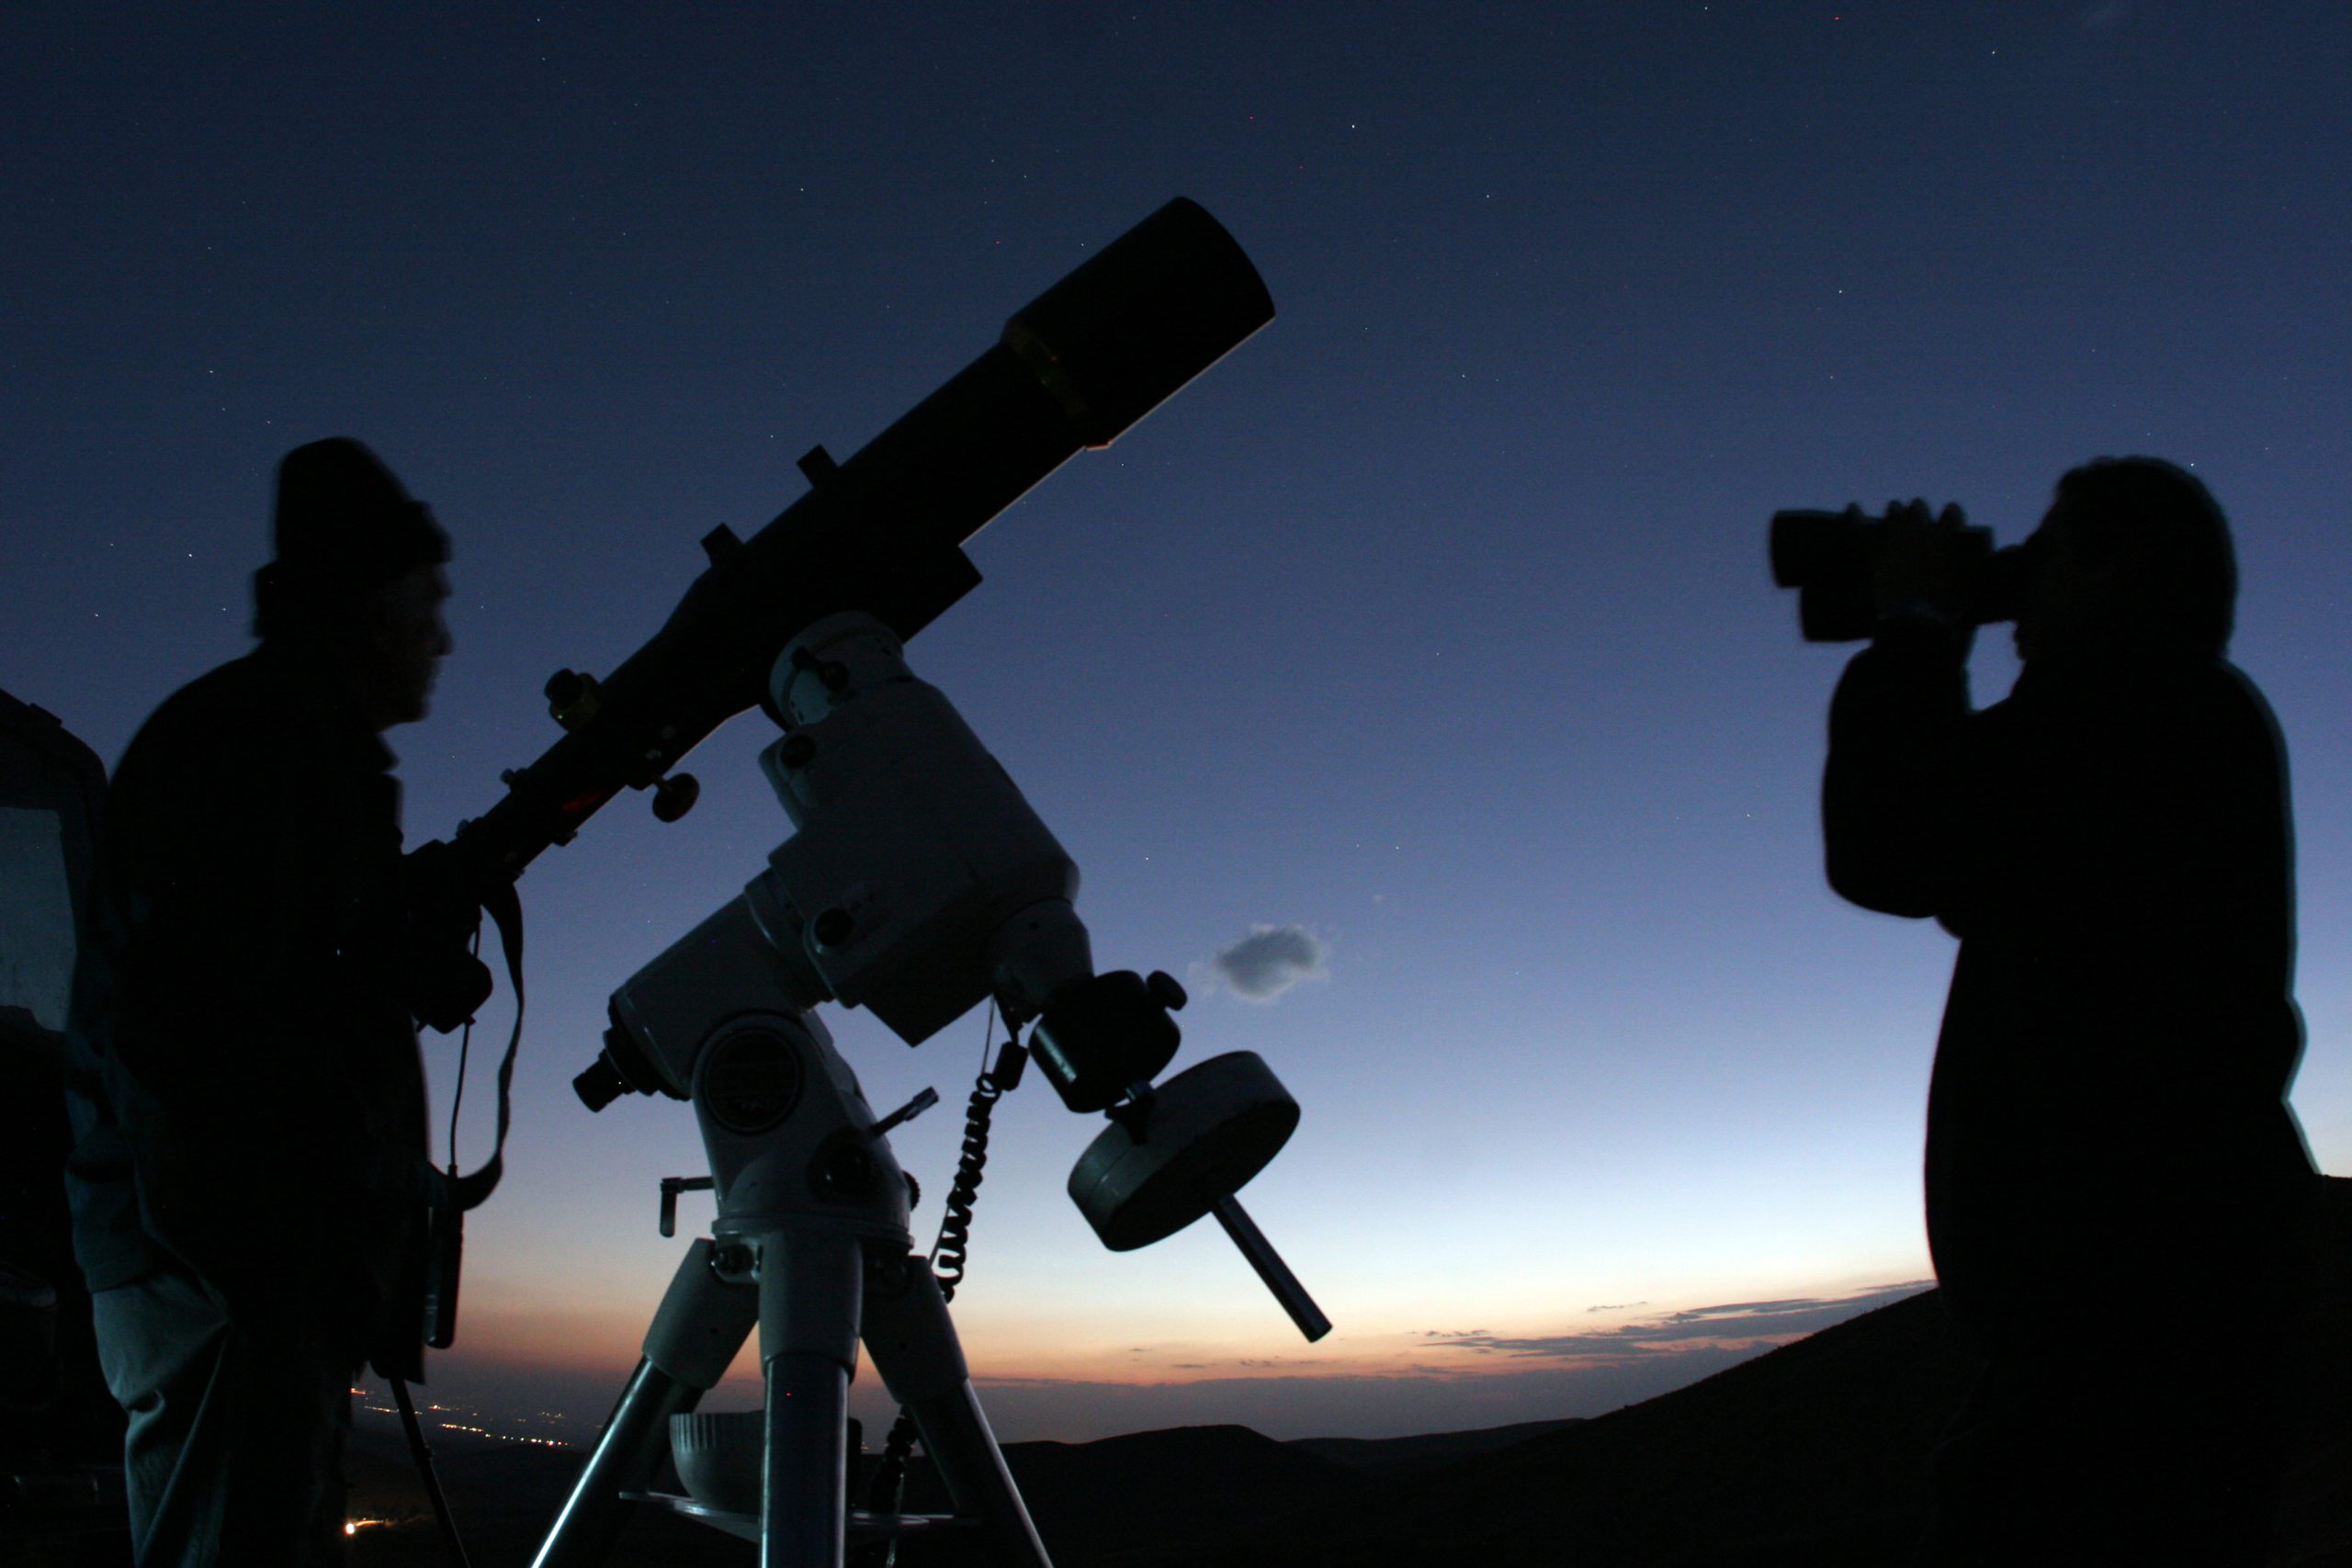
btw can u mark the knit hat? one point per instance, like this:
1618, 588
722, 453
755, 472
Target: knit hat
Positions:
345, 522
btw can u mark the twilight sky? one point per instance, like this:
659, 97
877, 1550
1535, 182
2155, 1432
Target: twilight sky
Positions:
1422, 651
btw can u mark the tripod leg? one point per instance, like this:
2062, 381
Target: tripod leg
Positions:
809, 1289
701, 1322
913, 1343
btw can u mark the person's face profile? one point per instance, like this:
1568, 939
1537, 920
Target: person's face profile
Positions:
2074, 598
409, 640
2033, 603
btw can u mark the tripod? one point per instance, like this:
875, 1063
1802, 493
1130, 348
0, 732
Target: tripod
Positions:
918, 883
811, 1247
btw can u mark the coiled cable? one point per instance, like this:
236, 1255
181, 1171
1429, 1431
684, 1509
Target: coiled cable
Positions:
949, 1254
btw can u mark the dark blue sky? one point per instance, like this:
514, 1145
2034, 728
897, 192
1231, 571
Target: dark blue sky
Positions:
1433, 622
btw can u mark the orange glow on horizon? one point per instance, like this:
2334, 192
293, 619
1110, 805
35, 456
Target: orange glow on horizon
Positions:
597, 1345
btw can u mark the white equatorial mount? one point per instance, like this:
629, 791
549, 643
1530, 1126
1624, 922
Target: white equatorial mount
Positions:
919, 882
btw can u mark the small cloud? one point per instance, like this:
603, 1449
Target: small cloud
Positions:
1270, 961
2109, 13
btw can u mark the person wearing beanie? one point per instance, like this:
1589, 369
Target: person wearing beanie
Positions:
249, 1105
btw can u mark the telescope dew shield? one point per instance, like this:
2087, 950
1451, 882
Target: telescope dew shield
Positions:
1120, 335
882, 531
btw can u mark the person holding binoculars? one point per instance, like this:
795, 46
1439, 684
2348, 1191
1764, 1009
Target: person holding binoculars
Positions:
2113, 1175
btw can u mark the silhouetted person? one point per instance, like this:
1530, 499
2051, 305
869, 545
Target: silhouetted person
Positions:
2113, 1170
251, 1124
57, 1420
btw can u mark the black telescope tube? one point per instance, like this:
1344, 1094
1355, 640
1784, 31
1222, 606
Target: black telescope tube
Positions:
883, 532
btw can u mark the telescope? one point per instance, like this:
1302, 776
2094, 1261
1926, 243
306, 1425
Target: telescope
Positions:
917, 883
883, 533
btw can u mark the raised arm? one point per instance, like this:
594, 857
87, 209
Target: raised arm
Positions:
1892, 793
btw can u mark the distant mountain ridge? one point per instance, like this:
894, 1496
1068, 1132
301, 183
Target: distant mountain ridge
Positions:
1811, 1456
1812, 1453
1093, 1501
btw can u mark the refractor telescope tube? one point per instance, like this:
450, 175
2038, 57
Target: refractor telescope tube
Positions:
883, 532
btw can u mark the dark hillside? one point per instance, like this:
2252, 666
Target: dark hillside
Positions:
1811, 1454
1102, 1497
1400, 1456
1814, 1454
